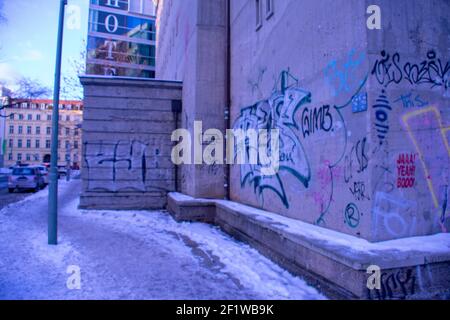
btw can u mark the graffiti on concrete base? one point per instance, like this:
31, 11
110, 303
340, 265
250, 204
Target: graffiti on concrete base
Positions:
277, 112
117, 166
395, 285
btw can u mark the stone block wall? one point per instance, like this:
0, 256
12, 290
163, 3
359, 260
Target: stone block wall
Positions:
127, 125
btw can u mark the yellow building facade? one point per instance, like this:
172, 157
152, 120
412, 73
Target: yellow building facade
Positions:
28, 131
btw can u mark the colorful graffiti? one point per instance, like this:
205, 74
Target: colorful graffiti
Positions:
428, 133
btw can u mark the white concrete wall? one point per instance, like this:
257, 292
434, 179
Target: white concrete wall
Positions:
191, 47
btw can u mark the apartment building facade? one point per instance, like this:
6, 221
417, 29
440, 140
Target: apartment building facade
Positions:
28, 130
5, 93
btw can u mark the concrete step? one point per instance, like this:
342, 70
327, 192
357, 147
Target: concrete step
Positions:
334, 262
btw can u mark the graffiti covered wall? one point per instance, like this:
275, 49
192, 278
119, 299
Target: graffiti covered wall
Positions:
363, 114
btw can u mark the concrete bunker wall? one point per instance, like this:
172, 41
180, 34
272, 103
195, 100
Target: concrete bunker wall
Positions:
127, 125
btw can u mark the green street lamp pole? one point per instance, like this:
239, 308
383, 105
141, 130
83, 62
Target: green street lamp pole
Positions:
53, 185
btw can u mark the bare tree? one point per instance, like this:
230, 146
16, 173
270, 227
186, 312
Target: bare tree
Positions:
2, 14
27, 90
71, 88
31, 89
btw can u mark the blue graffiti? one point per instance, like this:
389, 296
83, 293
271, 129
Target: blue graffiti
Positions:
342, 77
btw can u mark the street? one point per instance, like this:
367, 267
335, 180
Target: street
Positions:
128, 255
6, 197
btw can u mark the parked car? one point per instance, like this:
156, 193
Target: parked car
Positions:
5, 171
62, 171
45, 173
25, 178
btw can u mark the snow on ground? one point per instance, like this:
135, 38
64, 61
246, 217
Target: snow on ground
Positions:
131, 255
253, 270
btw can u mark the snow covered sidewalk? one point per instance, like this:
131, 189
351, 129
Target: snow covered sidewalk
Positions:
130, 255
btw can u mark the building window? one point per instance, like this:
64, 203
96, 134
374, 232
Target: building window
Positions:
67, 131
23, 105
28, 157
20, 130
10, 157
76, 133
28, 143
28, 129
19, 143
38, 130
38, 117
11, 116
67, 118
47, 144
11, 143
269, 9
20, 116
38, 144
36, 157
49, 130
11, 129
49, 117
19, 157
75, 144
258, 11
30, 117
67, 145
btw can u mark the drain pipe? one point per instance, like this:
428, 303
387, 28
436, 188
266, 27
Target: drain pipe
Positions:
177, 106
228, 100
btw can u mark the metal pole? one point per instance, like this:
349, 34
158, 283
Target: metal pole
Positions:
68, 152
53, 186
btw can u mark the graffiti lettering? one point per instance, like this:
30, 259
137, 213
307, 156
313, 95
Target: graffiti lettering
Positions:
395, 285
123, 163
316, 119
358, 152
359, 191
352, 215
406, 170
432, 71
410, 101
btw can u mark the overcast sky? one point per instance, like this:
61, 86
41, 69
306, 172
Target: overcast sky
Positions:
28, 38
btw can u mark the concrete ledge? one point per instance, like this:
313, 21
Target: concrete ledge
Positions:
121, 201
334, 262
185, 208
